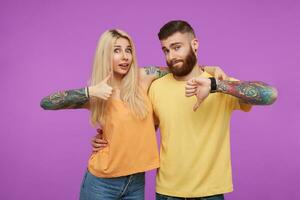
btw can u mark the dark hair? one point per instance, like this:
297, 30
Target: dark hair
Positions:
175, 26
115, 33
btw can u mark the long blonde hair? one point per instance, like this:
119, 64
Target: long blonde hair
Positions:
130, 93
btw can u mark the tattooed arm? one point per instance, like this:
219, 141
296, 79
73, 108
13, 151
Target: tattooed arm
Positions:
249, 92
79, 98
153, 72
69, 99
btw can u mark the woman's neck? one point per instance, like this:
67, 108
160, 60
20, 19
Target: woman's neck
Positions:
116, 81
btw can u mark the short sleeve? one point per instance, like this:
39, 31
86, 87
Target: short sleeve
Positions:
151, 95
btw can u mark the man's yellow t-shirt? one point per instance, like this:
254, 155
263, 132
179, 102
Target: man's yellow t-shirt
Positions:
195, 146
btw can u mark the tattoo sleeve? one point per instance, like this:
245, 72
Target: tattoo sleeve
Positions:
69, 99
158, 72
250, 92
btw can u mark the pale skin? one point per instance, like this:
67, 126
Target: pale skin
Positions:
176, 47
122, 59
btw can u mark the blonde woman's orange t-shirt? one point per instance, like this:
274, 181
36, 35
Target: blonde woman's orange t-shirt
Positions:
132, 145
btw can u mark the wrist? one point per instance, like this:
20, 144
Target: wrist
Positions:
90, 91
213, 85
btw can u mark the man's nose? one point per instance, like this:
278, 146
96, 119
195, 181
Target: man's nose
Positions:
171, 56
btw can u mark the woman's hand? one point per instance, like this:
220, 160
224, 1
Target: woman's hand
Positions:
102, 90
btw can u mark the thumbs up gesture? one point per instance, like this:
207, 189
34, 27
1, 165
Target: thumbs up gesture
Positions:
200, 87
102, 90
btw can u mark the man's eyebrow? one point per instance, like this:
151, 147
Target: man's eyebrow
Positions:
175, 43
171, 45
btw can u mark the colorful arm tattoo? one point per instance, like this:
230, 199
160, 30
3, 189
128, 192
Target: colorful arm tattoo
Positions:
250, 92
157, 72
69, 99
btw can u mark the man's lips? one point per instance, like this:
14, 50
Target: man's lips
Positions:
176, 62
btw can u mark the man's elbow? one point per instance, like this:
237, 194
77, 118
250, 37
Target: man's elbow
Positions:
45, 105
273, 96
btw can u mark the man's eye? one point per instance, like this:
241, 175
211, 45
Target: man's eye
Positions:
177, 47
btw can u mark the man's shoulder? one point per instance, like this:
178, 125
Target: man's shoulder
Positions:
161, 81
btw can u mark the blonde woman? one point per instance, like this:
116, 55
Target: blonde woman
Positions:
118, 103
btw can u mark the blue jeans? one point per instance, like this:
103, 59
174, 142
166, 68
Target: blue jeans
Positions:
214, 197
130, 187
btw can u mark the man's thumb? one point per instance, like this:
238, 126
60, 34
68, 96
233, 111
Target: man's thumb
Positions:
197, 104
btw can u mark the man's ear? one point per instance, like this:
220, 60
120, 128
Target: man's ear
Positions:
195, 44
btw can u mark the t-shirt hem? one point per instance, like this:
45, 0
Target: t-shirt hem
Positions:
194, 195
123, 173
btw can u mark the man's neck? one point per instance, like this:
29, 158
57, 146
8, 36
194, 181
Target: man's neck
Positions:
196, 71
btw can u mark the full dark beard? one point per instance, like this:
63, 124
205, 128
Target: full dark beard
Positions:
187, 66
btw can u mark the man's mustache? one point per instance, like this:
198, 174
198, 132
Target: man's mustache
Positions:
173, 62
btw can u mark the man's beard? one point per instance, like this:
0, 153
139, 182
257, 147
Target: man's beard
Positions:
188, 64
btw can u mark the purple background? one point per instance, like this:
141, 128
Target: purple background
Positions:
47, 46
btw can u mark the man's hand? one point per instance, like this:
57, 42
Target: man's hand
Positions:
98, 143
200, 87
